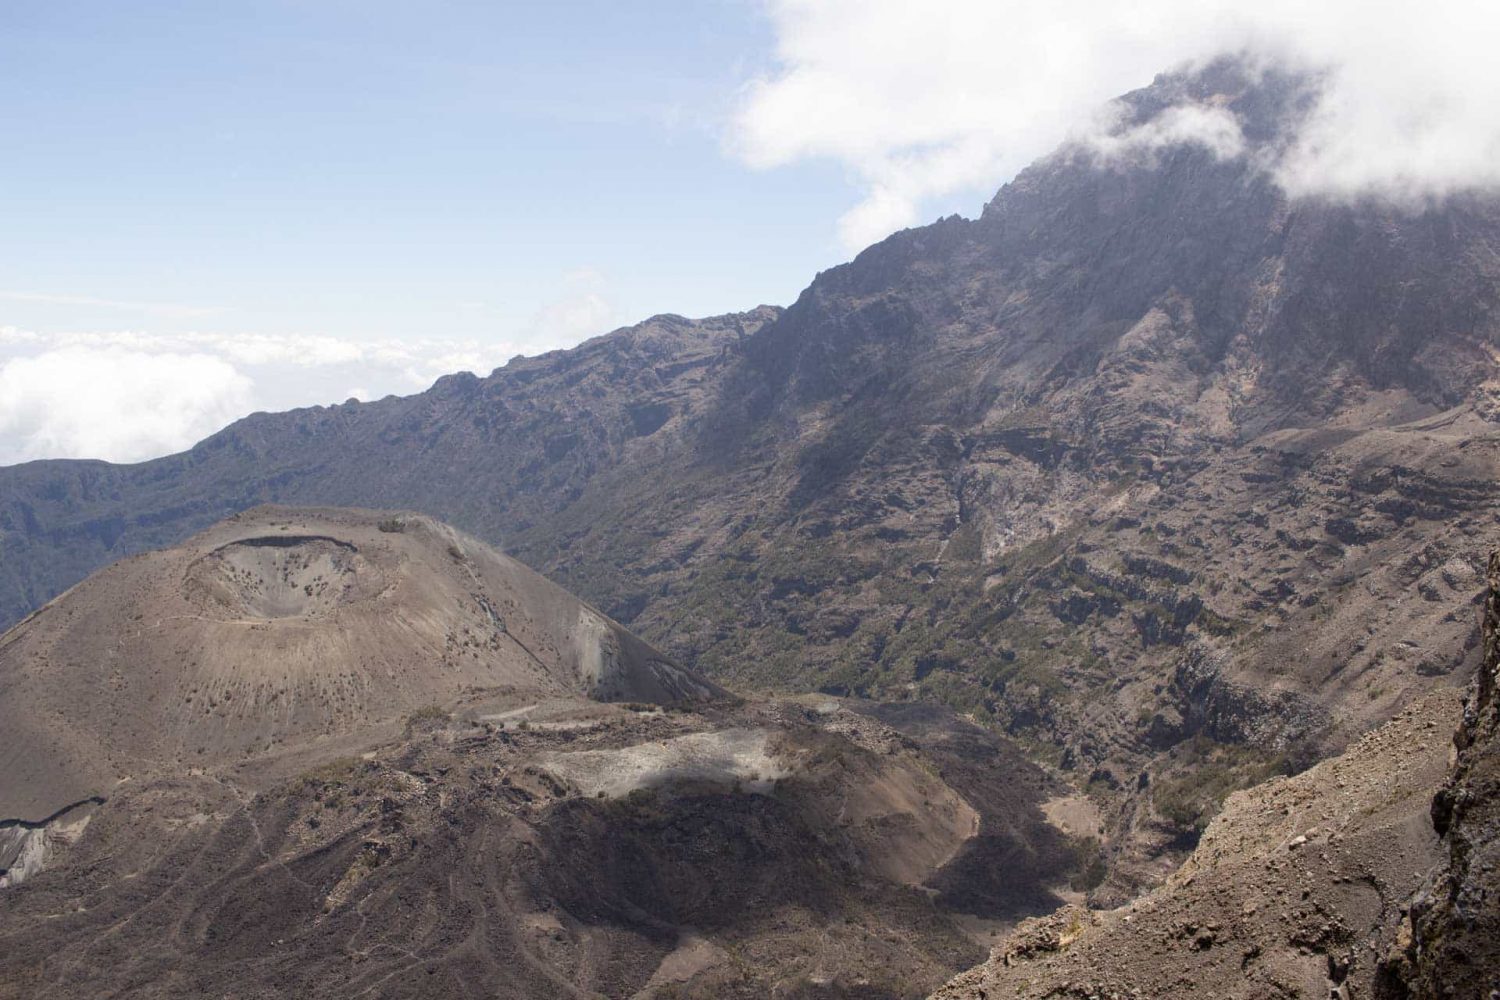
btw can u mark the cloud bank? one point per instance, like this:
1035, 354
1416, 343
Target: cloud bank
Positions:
921, 101
114, 403
130, 395
126, 396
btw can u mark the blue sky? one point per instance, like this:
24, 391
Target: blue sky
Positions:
215, 207
379, 169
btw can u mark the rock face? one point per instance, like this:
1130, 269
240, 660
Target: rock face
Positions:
1373, 874
1148, 464
282, 625
1296, 890
1452, 932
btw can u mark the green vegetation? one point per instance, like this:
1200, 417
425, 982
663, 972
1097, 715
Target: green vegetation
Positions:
1211, 771
965, 545
334, 771
426, 717
1216, 624
935, 632
1092, 867
798, 607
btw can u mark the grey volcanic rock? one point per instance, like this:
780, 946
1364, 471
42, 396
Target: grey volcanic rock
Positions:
1451, 931
1147, 464
517, 840
1351, 879
1293, 891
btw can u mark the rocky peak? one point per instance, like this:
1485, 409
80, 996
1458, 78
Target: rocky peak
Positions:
1145, 246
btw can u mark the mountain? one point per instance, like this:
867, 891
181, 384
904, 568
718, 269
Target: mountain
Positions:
493, 455
280, 625
1176, 479
348, 753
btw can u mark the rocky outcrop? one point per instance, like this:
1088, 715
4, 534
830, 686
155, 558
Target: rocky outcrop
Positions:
1295, 890
1352, 879
1451, 931
26, 846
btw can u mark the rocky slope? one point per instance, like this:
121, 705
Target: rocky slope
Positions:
1372, 874
780, 851
282, 625
1296, 890
1149, 466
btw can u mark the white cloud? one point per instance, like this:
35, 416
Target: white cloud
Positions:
925, 100
11, 336
1214, 128
581, 309
426, 356
126, 395
114, 403
884, 210
305, 351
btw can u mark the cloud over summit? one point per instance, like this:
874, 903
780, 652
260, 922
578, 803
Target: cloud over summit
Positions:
924, 101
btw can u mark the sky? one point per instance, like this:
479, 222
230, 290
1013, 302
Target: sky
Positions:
216, 207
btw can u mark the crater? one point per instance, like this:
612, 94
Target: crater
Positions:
282, 576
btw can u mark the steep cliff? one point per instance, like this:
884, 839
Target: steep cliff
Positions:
1451, 932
